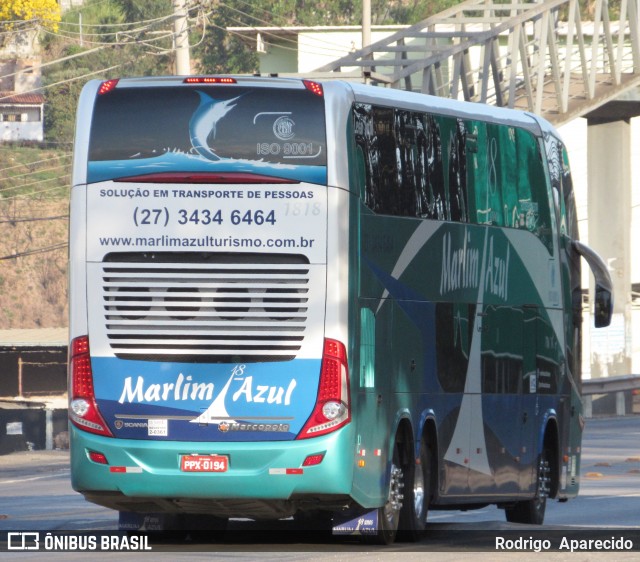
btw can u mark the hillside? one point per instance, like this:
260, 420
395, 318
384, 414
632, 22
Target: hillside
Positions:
33, 236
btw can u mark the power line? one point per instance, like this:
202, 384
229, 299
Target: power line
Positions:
35, 182
32, 172
44, 250
34, 162
121, 24
25, 196
101, 45
330, 45
34, 219
45, 64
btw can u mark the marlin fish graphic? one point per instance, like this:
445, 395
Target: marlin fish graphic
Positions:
204, 123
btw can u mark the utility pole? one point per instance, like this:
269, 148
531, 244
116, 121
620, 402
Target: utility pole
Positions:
366, 30
181, 34
366, 23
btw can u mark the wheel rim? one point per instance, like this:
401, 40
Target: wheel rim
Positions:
394, 501
544, 470
418, 492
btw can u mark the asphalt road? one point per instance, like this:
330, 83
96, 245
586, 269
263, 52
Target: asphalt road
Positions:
35, 495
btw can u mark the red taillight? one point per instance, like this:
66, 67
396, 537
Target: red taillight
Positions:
332, 410
99, 458
83, 410
313, 87
107, 86
313, 460
209, 80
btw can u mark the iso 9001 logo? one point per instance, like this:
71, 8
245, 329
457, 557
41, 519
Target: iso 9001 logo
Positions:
283, 128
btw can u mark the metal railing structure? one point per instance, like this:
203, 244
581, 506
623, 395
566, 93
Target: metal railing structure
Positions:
618, 385
535, 56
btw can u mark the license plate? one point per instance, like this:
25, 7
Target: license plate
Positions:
204, 463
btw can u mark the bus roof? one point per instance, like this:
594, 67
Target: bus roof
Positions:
371, 94
447, 106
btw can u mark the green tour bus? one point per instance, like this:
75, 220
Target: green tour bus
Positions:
338, 303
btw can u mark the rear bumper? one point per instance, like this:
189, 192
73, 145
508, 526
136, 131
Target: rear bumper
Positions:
146, 476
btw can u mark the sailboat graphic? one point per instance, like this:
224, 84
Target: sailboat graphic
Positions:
217, 411
470, 424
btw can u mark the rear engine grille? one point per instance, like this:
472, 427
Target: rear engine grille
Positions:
211, 307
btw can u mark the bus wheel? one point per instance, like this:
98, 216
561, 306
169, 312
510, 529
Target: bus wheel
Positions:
532, 511
413, 516
389, 513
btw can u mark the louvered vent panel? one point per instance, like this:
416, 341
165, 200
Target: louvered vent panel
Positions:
205, 307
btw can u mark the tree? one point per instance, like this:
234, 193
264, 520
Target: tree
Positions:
136, 50
224, 52
113, 45
45, 12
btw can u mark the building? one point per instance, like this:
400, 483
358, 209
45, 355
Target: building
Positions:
21, 103
303, 49
33, 389
21, 117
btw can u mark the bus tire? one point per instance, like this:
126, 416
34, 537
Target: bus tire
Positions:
415, 505
532, 511
389, 513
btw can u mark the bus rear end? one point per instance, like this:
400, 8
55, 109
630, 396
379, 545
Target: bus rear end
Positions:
201, 376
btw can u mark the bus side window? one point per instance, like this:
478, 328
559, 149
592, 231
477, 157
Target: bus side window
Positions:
528, 161
539, 194
406, 156
431, 186
509, 176
454, 165
367, 348
486, 192
566, 214
458, 206
361, 170
365, 153
386, 188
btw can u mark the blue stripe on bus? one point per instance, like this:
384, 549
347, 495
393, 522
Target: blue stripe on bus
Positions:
206, 402
104, 170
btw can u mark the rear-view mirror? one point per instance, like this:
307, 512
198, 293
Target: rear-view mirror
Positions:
603, 307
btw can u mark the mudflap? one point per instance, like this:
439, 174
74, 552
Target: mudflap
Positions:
130, 521
355, 522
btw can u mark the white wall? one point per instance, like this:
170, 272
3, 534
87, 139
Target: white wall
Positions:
596, 341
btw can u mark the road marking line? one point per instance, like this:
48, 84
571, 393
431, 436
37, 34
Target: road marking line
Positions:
44, 476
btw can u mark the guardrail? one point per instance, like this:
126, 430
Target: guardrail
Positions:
619, 385
604, 385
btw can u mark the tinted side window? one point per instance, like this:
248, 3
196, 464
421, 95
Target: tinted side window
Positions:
507, 180
433, 166
405, 159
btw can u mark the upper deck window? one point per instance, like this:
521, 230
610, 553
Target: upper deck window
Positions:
416, 164
201, 127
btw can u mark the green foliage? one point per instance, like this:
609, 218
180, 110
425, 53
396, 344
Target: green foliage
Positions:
47, 12
34, 171
111, 51
144, 10
136, 51
224, 52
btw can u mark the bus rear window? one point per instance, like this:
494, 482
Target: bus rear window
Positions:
203, 127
